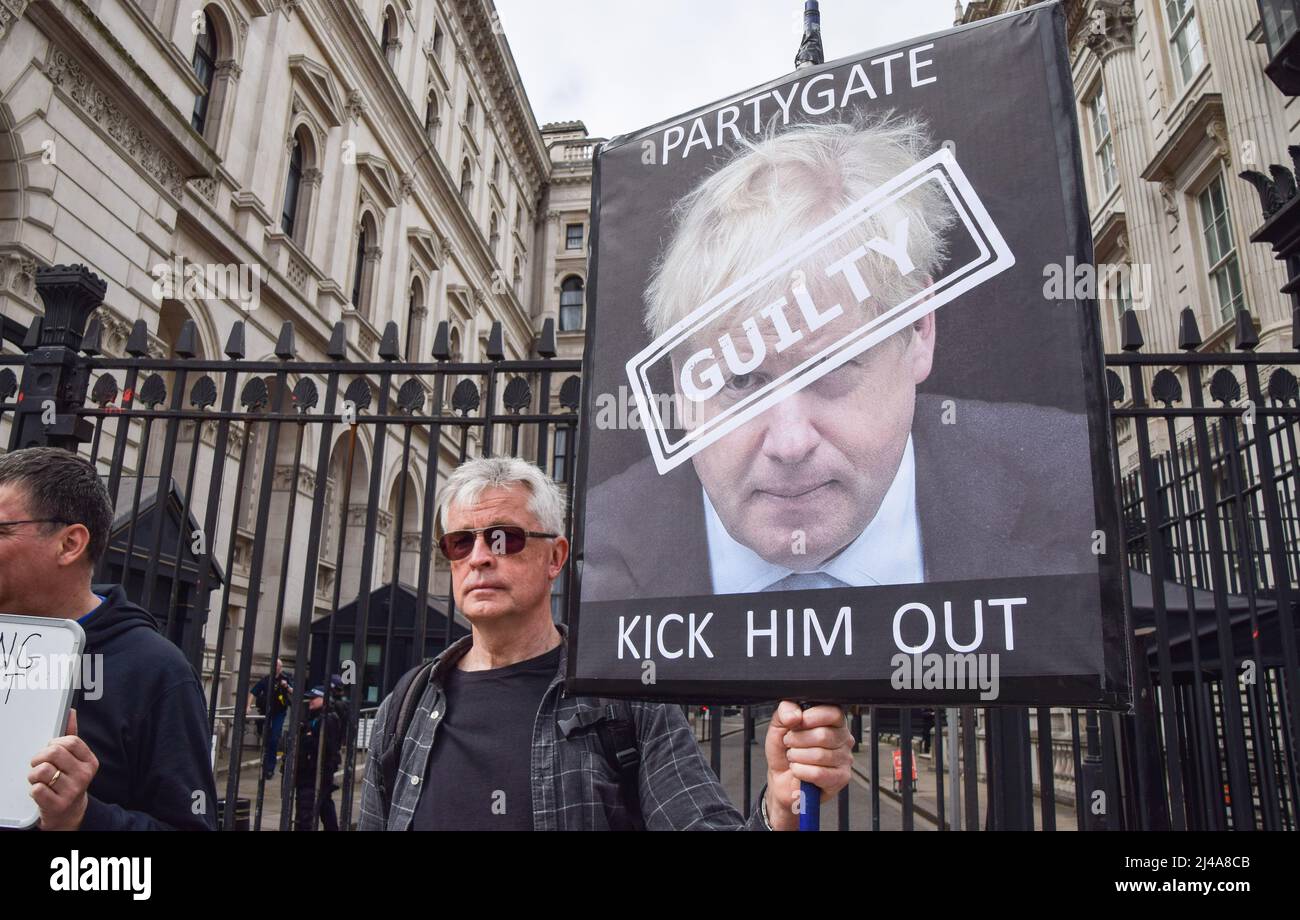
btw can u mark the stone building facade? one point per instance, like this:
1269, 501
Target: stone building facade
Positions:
1173, 103
364, 161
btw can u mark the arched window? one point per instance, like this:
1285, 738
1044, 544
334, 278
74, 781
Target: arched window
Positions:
466, 180
414, 314
388, 37
205, 68
431, 119
494, 237
366, 256
360, 268
293, 185
571, 299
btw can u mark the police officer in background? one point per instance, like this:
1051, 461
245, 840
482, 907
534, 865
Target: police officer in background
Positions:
320, 739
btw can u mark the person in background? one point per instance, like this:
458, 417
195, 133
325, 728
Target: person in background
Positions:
135, 756
272, 697
320, 739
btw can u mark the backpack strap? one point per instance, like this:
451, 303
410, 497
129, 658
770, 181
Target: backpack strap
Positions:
397, 722
616, 730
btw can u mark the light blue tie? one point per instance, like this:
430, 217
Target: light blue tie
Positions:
805, 581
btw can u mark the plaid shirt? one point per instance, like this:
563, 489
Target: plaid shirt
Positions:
573, 785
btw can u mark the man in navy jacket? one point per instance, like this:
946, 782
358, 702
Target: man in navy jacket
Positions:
135, 756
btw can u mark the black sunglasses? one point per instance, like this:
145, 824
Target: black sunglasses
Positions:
502, 539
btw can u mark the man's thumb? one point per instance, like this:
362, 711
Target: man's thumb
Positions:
72, 722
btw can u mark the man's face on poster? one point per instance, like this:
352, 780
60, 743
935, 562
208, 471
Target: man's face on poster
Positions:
801, 480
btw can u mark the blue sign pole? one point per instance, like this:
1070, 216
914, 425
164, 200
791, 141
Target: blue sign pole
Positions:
810, 54
810, 802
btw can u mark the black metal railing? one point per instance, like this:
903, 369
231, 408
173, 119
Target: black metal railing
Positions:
284, 509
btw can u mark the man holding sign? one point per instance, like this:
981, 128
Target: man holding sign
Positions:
493, 745
135, 755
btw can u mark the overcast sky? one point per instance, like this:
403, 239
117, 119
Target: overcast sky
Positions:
620, 65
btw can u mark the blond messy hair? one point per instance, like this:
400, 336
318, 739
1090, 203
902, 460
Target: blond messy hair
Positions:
781, 187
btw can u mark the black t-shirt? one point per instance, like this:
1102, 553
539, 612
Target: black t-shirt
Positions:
479, 776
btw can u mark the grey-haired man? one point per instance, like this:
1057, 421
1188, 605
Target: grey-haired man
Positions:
490, 744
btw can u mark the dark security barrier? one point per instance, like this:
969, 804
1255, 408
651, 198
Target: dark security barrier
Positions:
282, 508
1210, 518
275, 490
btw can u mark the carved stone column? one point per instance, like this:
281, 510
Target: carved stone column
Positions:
1110, 36
309, 190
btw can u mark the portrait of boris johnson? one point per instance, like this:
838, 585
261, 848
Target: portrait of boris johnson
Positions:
863, 475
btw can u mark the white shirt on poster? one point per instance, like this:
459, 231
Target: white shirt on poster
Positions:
887, 552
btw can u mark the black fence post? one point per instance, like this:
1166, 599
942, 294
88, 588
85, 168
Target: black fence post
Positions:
54, 380
1010, 780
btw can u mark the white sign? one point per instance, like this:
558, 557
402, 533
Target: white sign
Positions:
40, 667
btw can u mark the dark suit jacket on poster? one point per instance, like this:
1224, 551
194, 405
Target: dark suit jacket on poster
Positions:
1005, 491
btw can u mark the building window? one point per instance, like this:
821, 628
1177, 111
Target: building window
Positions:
519, 214
571, 299
362, 275
1114, 286
414, 310
1184, 39
388, 37
494, 237
1220, 250
1123, 292
1103, 144
431, 119
466, 180
573, 236
518, 281
470, 113
560, 457
205, 68
292, 188
437, 40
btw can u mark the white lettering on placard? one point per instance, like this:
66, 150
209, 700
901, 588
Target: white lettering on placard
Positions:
919, 619
811, 625
795, 102
648, 649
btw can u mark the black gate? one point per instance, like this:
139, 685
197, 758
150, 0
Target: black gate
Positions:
297, 497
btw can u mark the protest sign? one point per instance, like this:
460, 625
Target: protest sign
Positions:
869, 454
39, 669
